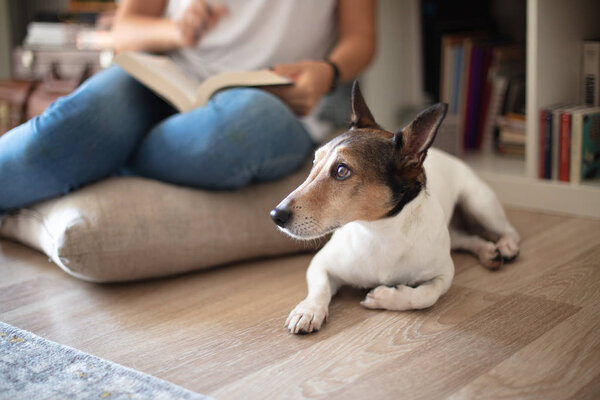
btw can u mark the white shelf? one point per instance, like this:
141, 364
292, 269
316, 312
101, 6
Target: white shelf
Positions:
548, 196
555, 31
505, 165
506, 175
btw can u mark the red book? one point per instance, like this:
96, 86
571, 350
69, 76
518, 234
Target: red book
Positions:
542, 144
565, 147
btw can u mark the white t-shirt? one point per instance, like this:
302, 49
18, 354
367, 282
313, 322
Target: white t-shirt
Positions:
259, 34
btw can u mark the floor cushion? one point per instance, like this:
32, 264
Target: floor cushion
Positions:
129, 228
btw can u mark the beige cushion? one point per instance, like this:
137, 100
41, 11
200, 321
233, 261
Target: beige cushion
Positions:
131, 228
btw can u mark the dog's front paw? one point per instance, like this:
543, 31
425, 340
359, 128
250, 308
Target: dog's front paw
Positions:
306, 317
388, 298
508, 247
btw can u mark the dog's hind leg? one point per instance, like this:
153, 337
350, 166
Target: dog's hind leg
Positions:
480, 203
488, 252
403, 298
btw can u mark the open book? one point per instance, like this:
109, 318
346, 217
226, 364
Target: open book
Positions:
169, 81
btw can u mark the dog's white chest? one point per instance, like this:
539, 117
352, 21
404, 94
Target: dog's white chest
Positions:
401, 250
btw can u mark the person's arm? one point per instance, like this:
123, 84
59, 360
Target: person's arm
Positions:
352, 53
355, 48
140, 25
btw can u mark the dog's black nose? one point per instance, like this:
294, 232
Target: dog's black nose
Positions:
280, 216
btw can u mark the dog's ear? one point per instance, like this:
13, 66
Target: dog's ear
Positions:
361, 115
414, 139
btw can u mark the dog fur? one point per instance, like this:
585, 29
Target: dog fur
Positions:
396, 207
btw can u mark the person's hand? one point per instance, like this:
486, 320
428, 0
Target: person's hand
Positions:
312, 80
198, 18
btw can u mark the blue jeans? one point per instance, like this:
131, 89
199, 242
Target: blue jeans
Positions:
114, 125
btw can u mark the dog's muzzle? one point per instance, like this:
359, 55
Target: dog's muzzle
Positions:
281, 215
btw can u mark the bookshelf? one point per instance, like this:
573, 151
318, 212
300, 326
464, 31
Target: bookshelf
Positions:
555, 30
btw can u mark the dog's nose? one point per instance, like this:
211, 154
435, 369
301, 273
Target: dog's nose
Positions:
280, 215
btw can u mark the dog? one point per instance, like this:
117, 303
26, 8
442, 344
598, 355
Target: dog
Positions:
396, 208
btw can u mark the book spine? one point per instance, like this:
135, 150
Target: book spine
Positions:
565, 142
445, 70
485, 97
591, 73
555, 143
575, 161
468, 97
548, 146
457, 60
474, 100
590, 151
542, 145
464, 88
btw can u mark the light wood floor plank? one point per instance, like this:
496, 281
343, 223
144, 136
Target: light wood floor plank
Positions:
220, 332
462, 353
356, 350
554, 366
541, 253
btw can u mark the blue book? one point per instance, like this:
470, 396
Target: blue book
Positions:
457, 71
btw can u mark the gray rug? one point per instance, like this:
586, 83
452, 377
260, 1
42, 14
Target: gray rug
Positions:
32, 367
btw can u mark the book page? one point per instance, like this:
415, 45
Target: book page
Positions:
237, 79
161, 75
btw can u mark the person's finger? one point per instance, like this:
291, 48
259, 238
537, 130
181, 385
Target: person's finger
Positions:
216, 12
291, 71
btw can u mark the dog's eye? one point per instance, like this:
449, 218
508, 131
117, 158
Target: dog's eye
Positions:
341, 172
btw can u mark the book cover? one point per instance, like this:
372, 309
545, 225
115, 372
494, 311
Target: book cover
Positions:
486, 91
564, 146
446, 69
450, 68
548, 141
548, 146
565, 149
590, 152
555, 144
577, 126
457, 60
556, 141
463, 91
499, 85
473, 96
542, 144
591, 72
169, 81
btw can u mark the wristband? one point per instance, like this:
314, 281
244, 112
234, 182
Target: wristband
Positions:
336, 75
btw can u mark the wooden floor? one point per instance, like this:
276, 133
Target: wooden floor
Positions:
531, 330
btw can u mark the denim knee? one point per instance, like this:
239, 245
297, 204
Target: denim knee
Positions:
80, 138
241, 135
270, 136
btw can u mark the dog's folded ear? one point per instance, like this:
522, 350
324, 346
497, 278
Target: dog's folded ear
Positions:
414, 139
361, 115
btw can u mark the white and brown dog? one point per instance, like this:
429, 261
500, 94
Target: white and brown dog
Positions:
395, 210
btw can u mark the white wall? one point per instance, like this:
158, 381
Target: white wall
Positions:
395, 79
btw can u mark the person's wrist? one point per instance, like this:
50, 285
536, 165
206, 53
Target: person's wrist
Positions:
335, 79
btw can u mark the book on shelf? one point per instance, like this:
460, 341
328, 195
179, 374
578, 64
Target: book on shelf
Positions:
505, 80
14, 94
511, 134
564, 142
590, 61
590, 143
548, 142
584, 123
169, 81
481, 78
